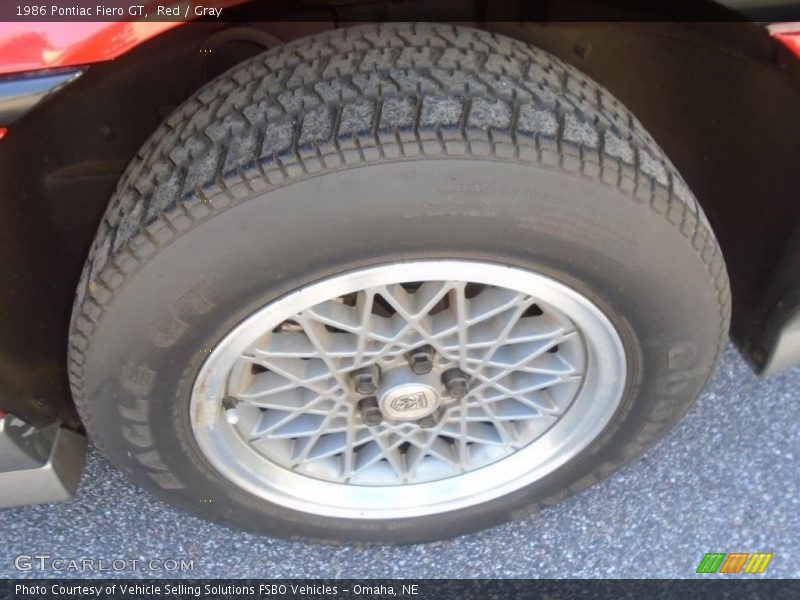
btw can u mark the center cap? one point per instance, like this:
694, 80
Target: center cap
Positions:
409, 402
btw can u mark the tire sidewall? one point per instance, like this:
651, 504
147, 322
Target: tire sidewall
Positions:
155, 334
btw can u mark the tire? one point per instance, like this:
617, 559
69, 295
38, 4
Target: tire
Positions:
361, 149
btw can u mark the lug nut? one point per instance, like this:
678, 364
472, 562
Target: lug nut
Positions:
365, 381
432, 420
229, 404
370, 412
421, 360
427, 422
456, 382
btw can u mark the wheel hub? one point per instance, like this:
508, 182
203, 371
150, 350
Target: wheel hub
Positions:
409, 401
417, 391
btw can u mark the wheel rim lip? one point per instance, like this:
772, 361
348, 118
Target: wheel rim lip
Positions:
596, 402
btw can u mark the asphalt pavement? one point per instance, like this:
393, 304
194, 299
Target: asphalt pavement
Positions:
725, 480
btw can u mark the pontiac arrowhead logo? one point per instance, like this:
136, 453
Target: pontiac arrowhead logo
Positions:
410, 402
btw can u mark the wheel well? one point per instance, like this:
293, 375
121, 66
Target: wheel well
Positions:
717, 98
721, 100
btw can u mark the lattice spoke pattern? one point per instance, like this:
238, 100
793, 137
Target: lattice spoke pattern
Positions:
296, 405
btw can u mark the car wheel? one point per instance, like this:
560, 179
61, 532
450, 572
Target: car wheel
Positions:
393, 283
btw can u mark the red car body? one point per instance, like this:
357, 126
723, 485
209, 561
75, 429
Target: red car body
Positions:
31, 46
